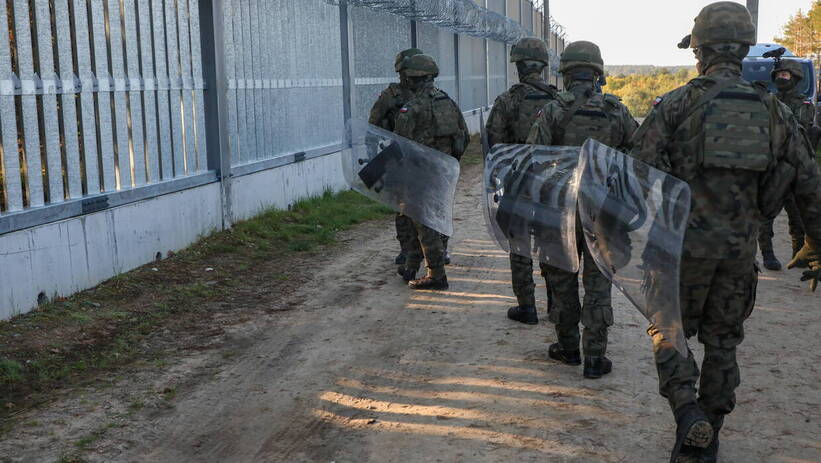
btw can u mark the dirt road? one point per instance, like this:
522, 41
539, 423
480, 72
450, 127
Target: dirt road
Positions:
364, 370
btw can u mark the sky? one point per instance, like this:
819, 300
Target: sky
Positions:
647, 31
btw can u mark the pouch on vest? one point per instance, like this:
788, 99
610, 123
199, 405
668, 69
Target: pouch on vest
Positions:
446, 118
737, 131
589, 121
529, 108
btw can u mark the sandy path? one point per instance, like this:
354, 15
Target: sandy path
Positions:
367, 371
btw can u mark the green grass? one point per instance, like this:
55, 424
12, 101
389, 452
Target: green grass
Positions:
68, 341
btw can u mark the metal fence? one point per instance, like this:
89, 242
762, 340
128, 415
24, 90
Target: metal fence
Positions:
97, 96
104, 102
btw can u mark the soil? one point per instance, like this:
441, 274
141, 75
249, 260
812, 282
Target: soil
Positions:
349, 365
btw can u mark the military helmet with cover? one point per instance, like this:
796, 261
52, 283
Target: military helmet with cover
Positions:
399, 64
582, 53
530, 48
723, 22
420, 66
790, 65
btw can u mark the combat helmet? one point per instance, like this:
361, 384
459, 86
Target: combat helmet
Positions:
582, 53
530, 48
790, 65
420, 65
398, 64
723, 22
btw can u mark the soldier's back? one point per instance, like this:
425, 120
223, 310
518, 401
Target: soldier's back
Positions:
516, 110
433, 119
723, 132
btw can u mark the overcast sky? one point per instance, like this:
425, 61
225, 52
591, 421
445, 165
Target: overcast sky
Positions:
647, 31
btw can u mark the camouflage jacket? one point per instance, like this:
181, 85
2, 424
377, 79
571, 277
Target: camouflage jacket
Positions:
602, 117
386, 108
433, 119
740, 166
801, 106
515, 110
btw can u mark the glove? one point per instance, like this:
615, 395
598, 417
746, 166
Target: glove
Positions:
808, 257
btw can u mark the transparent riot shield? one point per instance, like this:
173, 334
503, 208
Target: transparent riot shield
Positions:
410, 178
634, 218
530, 201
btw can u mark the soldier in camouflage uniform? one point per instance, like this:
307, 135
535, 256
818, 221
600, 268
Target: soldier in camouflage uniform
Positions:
787, 75
383, 114
577, 114
433, 119
510, 120
741, 151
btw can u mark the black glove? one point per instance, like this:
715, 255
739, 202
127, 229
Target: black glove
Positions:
808, 257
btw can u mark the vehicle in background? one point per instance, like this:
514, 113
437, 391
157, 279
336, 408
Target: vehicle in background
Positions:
757, 68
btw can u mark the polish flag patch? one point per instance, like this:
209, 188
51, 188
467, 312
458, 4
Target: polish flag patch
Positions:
404, 109
657, 100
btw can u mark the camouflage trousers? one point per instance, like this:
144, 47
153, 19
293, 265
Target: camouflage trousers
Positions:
596, 313
425, 243
404, 229
765, 233
717, 296
521, 274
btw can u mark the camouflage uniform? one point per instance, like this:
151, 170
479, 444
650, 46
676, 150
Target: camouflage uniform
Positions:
433, 119
383, 114
576, 115
804, 111
741, 151
514, 112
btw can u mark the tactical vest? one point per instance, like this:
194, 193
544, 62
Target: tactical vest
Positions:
432, 119
593, 119
530, 100
737, 130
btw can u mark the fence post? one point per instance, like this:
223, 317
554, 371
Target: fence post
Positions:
345, 43
212, 36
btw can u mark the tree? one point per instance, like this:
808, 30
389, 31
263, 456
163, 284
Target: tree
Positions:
802, 32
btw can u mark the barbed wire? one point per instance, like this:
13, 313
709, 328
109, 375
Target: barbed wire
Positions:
462, 16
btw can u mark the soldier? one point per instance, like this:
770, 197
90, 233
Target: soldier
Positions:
741, 151
787, 75
432, 119
383, 114
577, 114
513, 114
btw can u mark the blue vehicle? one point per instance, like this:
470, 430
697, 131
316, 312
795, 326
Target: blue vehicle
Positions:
757, 68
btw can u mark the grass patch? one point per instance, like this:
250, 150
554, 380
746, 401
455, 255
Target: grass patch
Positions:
71, 340
473, 155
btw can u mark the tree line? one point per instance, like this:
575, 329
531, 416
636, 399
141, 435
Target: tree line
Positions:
802, 33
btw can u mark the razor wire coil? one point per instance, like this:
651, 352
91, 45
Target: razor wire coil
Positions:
462, 16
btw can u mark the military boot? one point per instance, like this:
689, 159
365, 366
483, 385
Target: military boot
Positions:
429, 282
568, 357
523, 314
694, 434
407, 274
710, 454
595, 367
400, 258
770, 261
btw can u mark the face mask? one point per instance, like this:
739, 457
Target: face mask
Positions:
783, 84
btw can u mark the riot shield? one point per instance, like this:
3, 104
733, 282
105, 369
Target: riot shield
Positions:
410, 178
634, 218
530, 202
